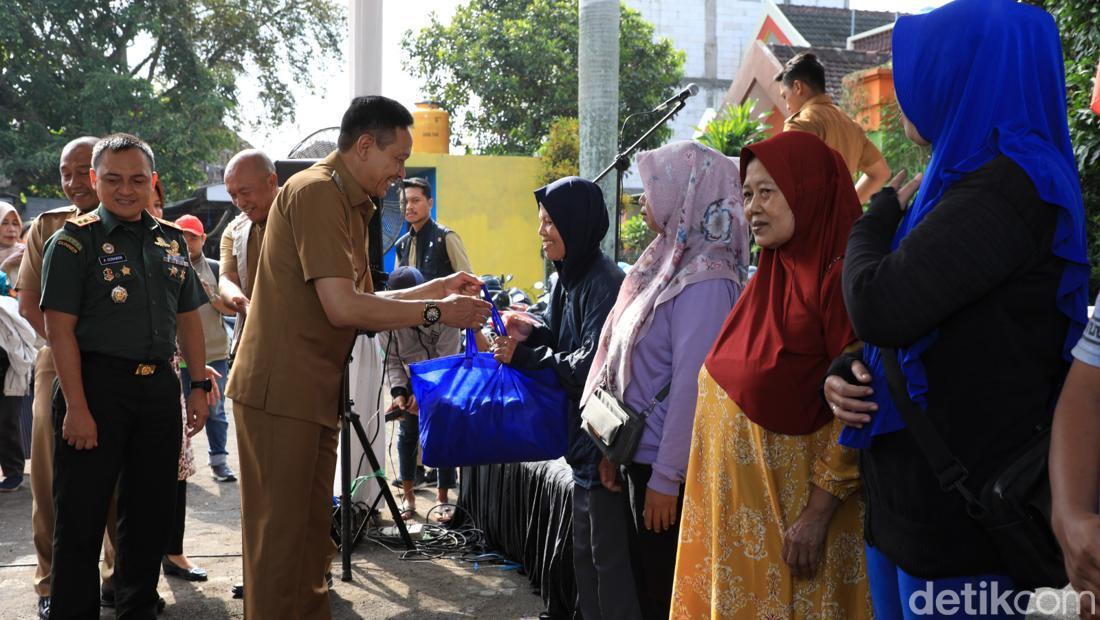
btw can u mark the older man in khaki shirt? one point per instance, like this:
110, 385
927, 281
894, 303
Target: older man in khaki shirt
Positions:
252, 185
313, 291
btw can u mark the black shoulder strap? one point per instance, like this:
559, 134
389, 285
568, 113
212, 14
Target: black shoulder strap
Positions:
663, 394
949, 470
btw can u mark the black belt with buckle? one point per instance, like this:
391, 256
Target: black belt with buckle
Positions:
135, 367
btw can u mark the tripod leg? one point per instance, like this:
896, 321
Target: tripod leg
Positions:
386, 493
345, 502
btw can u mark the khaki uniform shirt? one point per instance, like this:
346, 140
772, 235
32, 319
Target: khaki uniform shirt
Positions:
126, 282
821, 117
228, 259
217, 341
43, 227
291, 359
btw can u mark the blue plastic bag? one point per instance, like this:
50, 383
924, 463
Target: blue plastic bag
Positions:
476, 411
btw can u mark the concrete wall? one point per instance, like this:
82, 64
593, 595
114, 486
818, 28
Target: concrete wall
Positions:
489, 202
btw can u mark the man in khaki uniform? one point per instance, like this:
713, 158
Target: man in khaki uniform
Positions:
313, 291
76, 161
252, 184
802, 85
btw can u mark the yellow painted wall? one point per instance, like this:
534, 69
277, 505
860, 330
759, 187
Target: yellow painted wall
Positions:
489, 201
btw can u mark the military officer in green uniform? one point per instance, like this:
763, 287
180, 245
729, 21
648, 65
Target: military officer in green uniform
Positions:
117, 287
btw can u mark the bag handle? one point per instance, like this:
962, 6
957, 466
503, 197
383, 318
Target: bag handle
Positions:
498, 324
949, 470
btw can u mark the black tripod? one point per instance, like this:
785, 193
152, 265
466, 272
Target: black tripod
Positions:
349, 419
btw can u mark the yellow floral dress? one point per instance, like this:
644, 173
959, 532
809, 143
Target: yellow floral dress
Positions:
745, 487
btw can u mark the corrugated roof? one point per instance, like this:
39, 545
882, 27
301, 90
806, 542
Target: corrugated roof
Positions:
838, 62
828, 27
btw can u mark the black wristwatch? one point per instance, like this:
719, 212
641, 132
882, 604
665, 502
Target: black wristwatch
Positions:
432, 314
205, 384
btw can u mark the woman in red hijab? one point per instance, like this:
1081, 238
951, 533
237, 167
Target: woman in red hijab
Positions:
771, 527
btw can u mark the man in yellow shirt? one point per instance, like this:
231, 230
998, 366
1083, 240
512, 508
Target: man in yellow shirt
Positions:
802, 85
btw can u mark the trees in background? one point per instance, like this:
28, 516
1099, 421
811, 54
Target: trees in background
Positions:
169, 71
506, 69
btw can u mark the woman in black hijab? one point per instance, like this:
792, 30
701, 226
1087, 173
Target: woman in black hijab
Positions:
572, 222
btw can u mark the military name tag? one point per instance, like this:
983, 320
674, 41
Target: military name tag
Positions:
112, 259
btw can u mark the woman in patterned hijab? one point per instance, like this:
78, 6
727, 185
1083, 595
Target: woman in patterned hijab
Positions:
669, 311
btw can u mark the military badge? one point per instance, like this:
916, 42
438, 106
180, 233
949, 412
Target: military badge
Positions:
108, 274
125, 270
119, 295
161, 241
108, 248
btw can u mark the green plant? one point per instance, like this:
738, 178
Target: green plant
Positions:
559, 154
733, 128
634, 236
900, 152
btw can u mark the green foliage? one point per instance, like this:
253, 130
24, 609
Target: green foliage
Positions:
900, 152
634, 236
733, 128
165, 70
560, 154
505, 69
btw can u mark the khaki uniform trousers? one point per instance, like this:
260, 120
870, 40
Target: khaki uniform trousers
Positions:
42, 514
287, 471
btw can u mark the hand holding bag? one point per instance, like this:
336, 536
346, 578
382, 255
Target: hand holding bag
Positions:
476, 411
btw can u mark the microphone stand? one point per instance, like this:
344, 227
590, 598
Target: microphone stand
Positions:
622, 163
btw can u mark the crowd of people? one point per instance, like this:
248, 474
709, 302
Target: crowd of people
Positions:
775, 475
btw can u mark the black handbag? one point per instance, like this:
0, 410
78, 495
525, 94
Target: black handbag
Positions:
1014, 506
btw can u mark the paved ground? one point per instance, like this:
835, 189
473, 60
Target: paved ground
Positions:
383, 585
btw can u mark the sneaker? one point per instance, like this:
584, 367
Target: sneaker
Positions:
43, 608
11, 483
222, 473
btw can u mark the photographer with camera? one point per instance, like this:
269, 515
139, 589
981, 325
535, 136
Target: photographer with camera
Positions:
402, 347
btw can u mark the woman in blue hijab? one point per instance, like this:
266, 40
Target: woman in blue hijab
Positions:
572, 223
981, 286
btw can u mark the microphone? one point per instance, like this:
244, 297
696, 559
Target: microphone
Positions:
689, 91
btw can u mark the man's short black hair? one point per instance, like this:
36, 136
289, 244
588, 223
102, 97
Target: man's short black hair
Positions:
420, 184
374, 114
806, 68
118, 142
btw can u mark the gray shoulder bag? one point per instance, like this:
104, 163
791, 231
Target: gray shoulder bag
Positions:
614, 426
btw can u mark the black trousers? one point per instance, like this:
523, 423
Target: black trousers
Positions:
138, 428
179, 519
652, 555
12, 458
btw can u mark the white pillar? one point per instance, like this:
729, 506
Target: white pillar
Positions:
598, 99
365, 47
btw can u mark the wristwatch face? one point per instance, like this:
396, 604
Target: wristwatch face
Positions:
431, 314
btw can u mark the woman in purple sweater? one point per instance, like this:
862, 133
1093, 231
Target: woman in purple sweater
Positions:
668, 313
